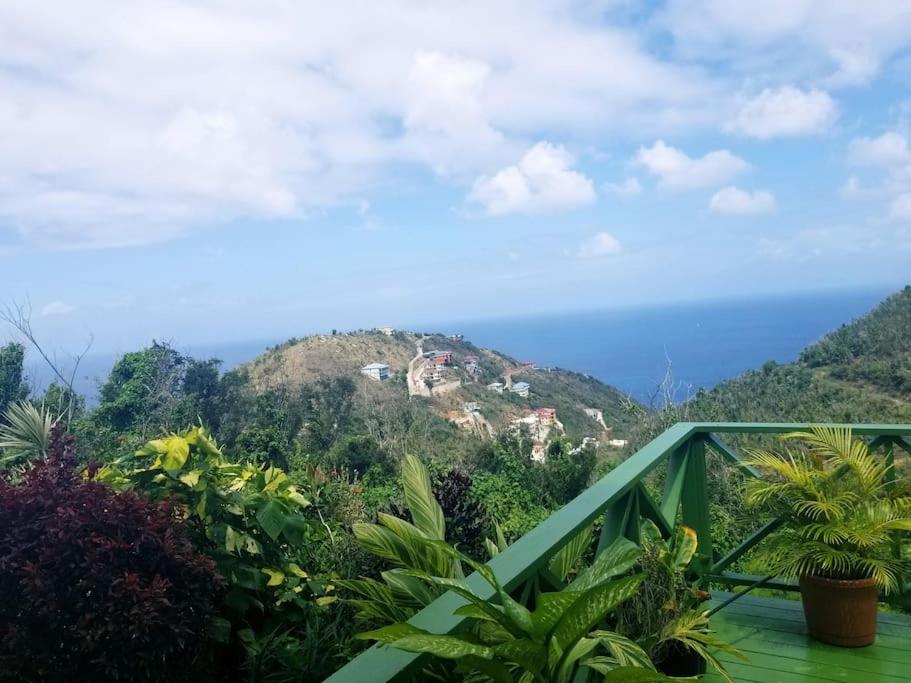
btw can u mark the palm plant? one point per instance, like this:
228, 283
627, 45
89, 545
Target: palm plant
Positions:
505, 641
840, 507
25, 434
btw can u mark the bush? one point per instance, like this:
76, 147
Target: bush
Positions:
95, 584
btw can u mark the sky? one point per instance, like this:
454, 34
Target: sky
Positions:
214, 171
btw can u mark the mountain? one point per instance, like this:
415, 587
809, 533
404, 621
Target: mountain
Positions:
448, 408
860, 372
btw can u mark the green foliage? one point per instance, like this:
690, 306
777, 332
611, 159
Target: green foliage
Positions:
249, 518
506, 641
514, 506
404, 546
25, 433
12, 385
565, 474
157, 389
842, 516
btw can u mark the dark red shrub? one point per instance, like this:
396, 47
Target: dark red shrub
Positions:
466, 521
97, 585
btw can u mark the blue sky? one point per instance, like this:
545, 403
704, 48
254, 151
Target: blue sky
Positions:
202, 172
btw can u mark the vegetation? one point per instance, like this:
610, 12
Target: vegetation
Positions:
841, 510
332, 503
97, 584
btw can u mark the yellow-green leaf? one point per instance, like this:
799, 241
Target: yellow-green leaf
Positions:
276, 576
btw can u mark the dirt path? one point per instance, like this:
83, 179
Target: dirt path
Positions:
416, 365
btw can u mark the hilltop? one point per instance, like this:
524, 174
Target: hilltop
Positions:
452, 399
860, 372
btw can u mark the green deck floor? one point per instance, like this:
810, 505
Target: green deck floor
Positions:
772, 634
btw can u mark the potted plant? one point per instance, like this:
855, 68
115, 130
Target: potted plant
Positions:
665, 616
842, 513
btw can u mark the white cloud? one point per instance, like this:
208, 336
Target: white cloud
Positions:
678, 171
853, 190
542, 181
144, 120
889, 149
599, 245
628, 188
784, 112
734, 201
838, 42
56, 308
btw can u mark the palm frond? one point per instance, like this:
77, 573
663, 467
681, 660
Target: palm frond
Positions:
25, 433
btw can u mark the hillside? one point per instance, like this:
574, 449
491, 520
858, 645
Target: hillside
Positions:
860, 372
455, 404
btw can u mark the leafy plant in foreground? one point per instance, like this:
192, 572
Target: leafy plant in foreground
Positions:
841, 512
249, 518
505, 641
96, 584
664, 616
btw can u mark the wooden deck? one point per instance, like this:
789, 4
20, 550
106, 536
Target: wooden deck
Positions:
772, 634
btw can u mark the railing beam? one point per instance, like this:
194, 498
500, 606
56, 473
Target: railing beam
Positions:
732, 456
746, 545
695, 505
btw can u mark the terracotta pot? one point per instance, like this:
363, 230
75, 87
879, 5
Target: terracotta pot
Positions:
840, 612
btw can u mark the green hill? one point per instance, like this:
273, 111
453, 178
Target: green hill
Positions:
438, 421
861, 372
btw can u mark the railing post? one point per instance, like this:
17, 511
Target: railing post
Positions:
695, 504
621, 519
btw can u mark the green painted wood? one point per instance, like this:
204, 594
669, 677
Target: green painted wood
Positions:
746, 545
650, 510
695, 507
673, 484
905, 443
736, 579
704, 428
732, 456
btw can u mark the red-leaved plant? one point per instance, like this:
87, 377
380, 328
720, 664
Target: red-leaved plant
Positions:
96, 584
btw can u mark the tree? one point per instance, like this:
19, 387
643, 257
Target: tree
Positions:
12, 386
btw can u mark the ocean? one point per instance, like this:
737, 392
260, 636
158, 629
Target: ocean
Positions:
703, 343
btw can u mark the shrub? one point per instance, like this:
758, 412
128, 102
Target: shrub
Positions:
96, 584
466, 521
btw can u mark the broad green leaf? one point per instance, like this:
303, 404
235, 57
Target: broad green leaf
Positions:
447, 647
391, 633
518, 614
590, 608
548, 611
276, 576
233, 539
176, 452
272, 518
425, 556
190, 478
566, 558
409, 587
494, 670
685, 543
384, 544
426, 512
220, 629
528, 654
616, 559
582, 648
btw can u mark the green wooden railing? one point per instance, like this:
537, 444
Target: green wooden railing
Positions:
622, 500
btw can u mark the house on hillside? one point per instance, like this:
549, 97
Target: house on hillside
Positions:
520, 388
546, 416
495, 386
439, 358
388, 331
471, 365
529, 364
377, 371
472, 407
456, 337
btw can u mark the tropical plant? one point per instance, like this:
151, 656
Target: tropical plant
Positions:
248, 517
840, 506
401, 543
25, 434
664, 616
97, 584
505, 641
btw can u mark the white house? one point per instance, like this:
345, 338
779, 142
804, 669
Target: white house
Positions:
388, 331
495, 386
377, 371
520, 388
